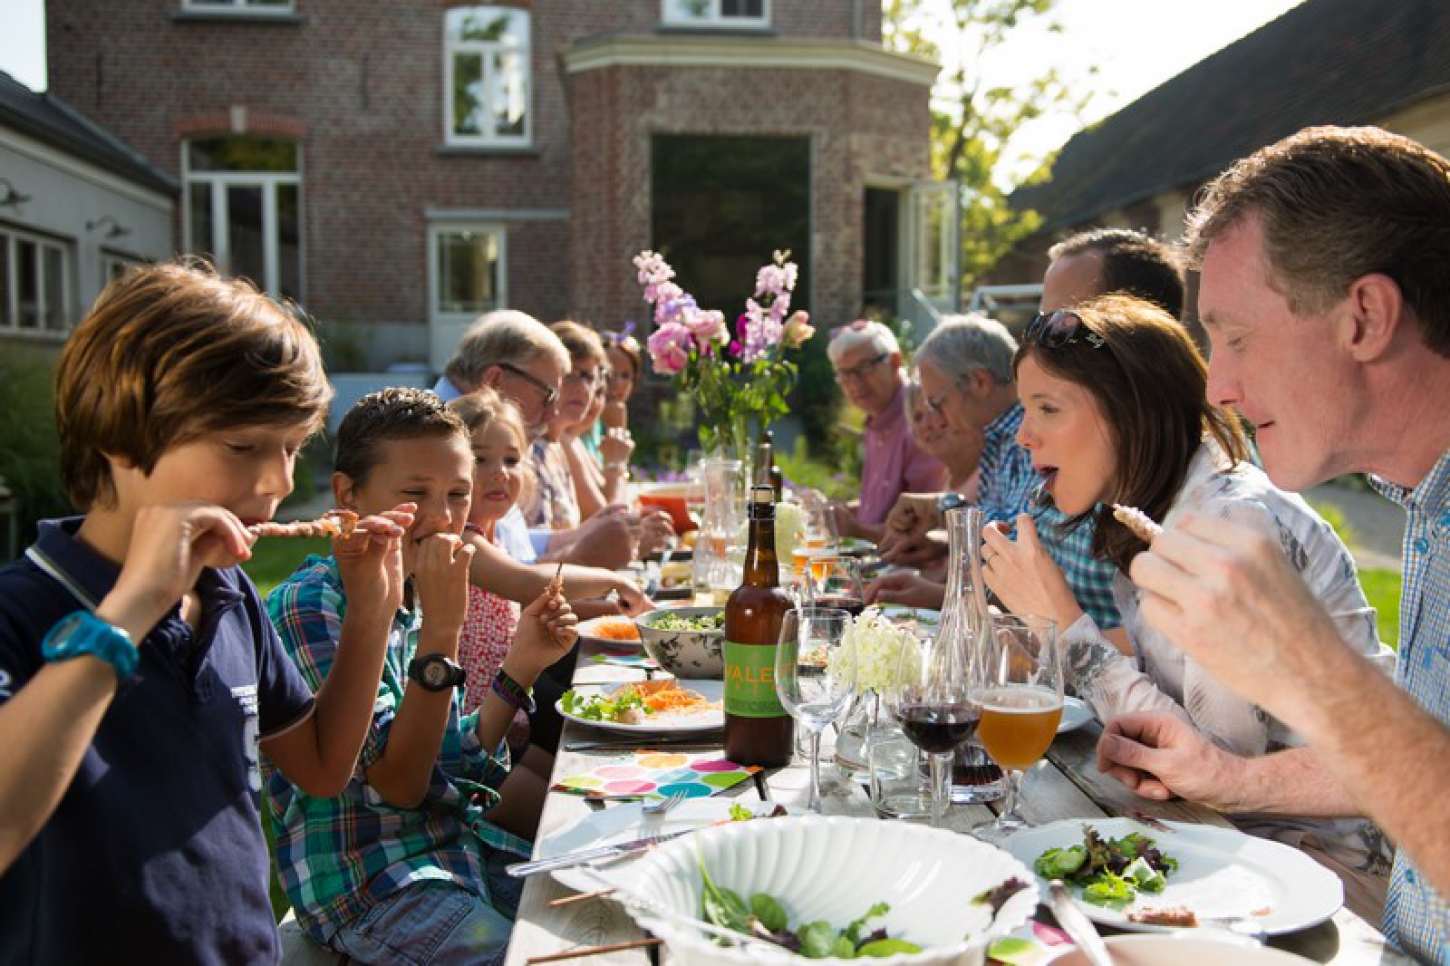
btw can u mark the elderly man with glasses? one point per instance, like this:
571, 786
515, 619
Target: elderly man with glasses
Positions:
867, 361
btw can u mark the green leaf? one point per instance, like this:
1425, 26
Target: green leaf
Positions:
768, 911
888, 947
1060, 863
739, 813
1110, 891
1012, 951
853, 931
818, 939
844, 948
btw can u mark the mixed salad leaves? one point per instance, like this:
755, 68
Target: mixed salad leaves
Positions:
763, 917
684, 622
1110, 872
623, 705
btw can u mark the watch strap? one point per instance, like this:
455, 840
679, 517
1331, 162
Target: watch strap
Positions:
82, 632
417, 671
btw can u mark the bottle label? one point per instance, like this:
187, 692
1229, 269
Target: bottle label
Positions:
750, 681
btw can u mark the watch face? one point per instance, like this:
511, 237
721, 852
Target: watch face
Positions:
435, 674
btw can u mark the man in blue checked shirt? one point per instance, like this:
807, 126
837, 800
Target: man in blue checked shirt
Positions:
1325, 297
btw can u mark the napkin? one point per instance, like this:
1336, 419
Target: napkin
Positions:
657, 774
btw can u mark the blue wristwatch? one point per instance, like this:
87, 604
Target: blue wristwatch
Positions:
84, 633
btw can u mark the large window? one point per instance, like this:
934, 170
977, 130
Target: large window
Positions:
238, 6
486, 82
243, 209
717, 13
466, 270
35, 283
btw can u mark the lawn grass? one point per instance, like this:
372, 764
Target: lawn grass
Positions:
274, 560
1382, 587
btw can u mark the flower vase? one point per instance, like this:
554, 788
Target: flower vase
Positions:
863, 727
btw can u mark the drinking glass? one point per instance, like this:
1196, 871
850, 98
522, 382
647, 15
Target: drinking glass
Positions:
831, 580
1019, 691
815, 676
931, 698
820, 521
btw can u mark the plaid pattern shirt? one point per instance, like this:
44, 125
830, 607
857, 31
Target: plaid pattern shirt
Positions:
1417, 918
1010, 486
337, 857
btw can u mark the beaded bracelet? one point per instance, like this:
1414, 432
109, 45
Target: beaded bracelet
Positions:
513, 693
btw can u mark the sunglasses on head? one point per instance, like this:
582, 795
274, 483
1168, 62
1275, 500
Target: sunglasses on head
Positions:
1053, 330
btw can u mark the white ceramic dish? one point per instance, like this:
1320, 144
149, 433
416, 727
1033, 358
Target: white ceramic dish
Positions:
664, 724
921, 615
684, 653
621, 823
1221, 873
1075, 714
1183, 949
836, 868
587, 632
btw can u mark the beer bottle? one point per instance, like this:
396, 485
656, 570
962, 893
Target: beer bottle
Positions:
758, 731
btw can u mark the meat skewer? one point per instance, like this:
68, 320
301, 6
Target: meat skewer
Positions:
1141, 525
556, 586
333, 523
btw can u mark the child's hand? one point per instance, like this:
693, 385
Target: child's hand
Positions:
441, 579
545, 633
370, 562
169, 547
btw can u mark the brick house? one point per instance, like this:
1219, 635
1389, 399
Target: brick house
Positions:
400, 167
1324, 62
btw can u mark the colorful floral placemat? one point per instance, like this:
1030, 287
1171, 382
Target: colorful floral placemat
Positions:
657, 774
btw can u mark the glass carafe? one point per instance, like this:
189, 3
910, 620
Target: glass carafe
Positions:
975, 777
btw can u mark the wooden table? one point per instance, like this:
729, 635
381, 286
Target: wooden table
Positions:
1066, 785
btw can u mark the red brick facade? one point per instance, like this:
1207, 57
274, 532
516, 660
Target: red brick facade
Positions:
359, 86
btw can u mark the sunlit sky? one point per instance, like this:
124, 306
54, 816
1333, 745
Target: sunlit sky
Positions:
1135, 44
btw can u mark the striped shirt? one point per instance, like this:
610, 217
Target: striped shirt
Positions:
1417, 919
1010, 486
337, 857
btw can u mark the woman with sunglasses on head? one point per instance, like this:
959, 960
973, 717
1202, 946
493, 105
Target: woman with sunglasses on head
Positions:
1116, 412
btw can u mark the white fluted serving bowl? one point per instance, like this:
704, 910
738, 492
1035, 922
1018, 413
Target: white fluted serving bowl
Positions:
835, 868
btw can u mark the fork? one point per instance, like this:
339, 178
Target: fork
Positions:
662, 805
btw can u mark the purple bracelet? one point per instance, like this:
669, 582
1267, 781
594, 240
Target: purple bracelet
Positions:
514, 693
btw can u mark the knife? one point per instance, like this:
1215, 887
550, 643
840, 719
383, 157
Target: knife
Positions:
570, 859
641, 743
1078, 926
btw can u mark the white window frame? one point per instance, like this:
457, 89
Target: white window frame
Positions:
10, 311
712, 15
219, 245
486, 51
436, 231
113, 263
244, 8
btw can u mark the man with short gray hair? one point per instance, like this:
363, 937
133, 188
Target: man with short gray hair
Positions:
867, 360
515, 354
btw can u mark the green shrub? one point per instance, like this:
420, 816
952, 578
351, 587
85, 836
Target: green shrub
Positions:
29, 447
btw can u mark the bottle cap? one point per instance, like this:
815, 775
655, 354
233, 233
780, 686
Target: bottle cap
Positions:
762, 493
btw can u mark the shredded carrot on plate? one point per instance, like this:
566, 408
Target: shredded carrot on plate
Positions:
620, 629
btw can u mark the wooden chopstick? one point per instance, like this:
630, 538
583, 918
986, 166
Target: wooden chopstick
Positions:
568, 900
594, 950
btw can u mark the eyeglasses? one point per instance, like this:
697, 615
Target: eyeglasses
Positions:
934, 403
863, 369
551, 395
1053, 330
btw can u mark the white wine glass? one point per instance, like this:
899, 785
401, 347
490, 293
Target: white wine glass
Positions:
1019, 691
815, 676
931, 698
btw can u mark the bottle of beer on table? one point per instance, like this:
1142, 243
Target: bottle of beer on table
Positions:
758, 731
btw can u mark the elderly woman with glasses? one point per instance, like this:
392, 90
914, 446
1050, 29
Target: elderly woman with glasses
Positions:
1116, 413
867, 362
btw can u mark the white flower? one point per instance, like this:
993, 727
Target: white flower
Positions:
877, 645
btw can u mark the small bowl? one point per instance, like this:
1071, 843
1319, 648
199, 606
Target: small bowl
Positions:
685, 654
835, 868
1186, 948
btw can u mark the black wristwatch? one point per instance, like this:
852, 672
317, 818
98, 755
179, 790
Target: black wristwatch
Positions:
434, 672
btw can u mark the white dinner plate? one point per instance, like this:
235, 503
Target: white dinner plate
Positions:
661, 724
899, 612
587, 632
1221, 872
621, 823
1075, 714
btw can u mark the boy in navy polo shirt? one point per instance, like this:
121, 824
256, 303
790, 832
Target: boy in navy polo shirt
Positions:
129, 779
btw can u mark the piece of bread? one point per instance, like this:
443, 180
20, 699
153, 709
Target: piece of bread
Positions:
1137, 521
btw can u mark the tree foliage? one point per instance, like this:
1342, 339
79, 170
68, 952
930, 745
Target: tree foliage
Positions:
973, 122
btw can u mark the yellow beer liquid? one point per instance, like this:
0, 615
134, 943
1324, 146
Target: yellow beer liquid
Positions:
1018, 724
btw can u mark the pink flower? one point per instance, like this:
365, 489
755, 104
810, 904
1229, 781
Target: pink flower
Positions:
797, 330
669, 348
707, 326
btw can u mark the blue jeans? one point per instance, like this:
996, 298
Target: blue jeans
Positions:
436, 923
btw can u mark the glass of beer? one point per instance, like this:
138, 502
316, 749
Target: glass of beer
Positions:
1019, 689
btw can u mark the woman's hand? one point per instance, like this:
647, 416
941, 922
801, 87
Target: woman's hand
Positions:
1024, 577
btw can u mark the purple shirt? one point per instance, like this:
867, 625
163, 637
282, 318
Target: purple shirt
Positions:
893, 464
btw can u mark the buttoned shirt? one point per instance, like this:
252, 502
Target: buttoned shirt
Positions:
337, 857
893, 464
1417, 918
1009, 486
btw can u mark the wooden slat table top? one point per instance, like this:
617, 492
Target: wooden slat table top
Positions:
1065, 785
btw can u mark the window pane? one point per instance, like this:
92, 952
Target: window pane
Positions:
202, 241
487, 25
289, 238
467, 272
241, 154
688, 10
754, 9
26, 261
5, 283
53, 279
511, 95
468, 94
244, 232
